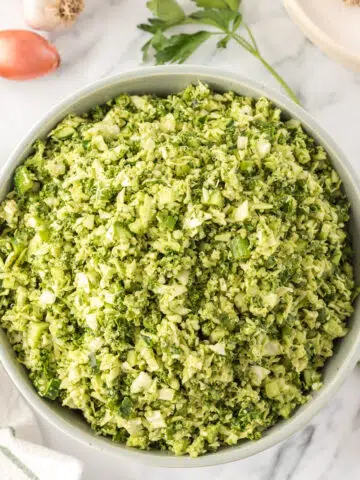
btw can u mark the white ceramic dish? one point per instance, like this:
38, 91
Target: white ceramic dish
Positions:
332, 25
161, 81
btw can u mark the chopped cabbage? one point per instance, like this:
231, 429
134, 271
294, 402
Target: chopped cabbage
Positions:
177, 269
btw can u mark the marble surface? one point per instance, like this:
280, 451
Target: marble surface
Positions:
106, 41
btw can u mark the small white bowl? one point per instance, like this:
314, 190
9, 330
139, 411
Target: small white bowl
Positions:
163, 81
332, 25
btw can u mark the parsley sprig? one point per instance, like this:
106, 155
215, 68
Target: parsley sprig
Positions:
223, 15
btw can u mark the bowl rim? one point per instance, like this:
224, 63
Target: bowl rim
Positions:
228, 454
318, 36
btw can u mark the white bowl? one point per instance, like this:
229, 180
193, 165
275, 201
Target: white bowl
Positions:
332, 25
161, 81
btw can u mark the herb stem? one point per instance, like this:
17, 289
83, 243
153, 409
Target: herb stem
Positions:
273, 72
252, 38
177, 48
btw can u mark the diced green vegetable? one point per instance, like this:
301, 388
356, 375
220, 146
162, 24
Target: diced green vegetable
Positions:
177, 269
240, 248
23, 180
126, 407
52, 390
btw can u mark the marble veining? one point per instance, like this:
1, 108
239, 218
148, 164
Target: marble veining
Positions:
105, 41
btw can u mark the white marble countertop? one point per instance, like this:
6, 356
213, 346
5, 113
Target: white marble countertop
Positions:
106, 41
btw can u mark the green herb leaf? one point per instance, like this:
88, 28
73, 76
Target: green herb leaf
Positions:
237, 22
225, 4
167, 10
216, 18
156, 42
145, 50
223, 42
223, 15
234, 4
126, 407
154, 25
179, 48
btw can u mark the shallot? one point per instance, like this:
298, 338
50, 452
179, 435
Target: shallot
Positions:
25, 55
52, 15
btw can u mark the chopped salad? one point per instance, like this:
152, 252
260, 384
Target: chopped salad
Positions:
176, 269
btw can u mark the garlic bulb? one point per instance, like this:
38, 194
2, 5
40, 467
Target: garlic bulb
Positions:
52, 15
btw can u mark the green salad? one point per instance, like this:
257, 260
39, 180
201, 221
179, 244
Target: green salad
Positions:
176, 269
